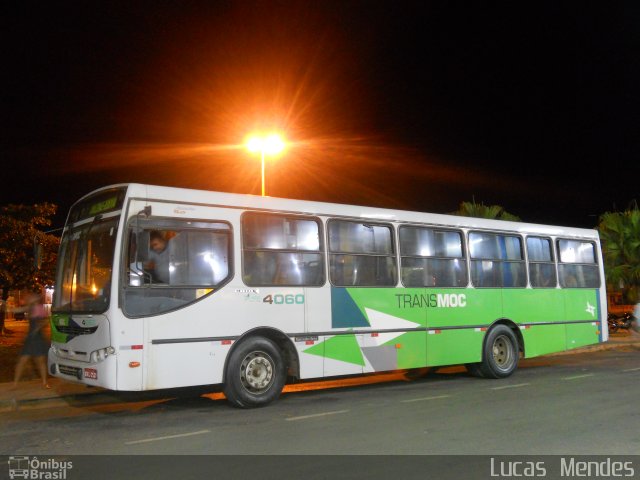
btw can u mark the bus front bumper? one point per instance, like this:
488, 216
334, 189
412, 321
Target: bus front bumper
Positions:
97, 374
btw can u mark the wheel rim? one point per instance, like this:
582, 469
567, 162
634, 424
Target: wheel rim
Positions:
503, 352
256, 372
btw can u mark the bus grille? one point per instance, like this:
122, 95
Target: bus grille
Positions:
71, 371
71, 330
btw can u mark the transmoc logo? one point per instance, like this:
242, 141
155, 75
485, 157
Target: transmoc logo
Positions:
434, 300
33, 468
452, 300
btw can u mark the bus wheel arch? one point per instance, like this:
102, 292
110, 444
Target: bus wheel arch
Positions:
257, 366
516, 330
501, 349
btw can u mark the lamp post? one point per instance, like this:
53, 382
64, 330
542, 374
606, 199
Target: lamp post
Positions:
271, 144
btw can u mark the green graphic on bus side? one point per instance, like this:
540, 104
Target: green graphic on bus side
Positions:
450, 324
343, 347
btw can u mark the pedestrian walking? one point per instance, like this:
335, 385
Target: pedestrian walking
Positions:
35, 345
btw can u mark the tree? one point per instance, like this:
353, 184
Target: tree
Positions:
620, 237
20, 226
480, 210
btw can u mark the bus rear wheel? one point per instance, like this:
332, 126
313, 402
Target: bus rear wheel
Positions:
255, 373
500, 354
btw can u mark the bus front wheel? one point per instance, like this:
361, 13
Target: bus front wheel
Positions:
500, 354
255, 373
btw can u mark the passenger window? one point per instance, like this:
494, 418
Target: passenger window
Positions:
578, 267
281, 250
542, 267
496, 260
432, 258
174, 262
361, 254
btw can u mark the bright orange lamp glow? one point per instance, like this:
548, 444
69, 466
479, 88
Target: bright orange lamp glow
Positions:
271, 144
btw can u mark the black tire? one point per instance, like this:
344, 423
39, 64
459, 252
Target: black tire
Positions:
500, 353
255, 373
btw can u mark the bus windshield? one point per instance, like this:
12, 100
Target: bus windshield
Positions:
85, 264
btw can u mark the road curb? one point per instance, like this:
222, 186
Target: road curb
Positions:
597, 347
95, 396
81, 399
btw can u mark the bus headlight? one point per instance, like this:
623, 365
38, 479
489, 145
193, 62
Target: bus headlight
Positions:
100, 355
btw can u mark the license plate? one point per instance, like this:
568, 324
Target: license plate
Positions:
91, 373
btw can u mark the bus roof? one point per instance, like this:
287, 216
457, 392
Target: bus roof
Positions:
256, 202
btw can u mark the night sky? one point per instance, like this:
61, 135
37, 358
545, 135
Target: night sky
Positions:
412, 105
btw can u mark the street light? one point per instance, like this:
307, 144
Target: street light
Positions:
271, 144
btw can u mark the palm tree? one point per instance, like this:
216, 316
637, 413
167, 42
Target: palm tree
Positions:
480, 210
620, 236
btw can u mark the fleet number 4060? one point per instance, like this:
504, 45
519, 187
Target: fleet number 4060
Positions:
279, 299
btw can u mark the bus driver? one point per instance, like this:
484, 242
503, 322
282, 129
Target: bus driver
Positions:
158, 263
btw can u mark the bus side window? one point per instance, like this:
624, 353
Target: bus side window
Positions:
432, 257
497, 260
542, 267
281, 250
578, 266
136, 256
361, 254
174, 262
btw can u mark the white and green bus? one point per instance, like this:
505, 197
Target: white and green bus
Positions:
162, 287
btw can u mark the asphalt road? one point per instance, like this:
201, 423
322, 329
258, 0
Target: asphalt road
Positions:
570, 404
